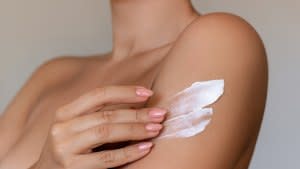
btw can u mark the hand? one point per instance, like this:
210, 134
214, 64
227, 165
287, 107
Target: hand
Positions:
75, 132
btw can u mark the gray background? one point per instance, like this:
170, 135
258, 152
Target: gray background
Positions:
33, 31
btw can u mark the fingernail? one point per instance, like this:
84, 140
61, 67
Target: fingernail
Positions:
140, 91
153, 127
157, 113
145, 146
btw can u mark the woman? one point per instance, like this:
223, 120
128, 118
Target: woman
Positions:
71, 105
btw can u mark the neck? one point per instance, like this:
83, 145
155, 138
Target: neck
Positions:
142, 25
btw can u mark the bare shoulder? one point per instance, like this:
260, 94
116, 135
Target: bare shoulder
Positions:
47, 75
216, 32
58, 69
61, 69
221, 23
214, 46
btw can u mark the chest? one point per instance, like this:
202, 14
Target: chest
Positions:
30, 144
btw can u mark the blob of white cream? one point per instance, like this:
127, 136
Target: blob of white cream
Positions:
188, 114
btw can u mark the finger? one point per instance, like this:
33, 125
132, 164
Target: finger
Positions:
111, 133
99, 97
115, 158
115, 116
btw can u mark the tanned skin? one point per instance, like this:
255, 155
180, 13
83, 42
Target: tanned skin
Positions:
162, 45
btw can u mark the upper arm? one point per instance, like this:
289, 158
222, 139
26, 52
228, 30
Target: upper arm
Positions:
217, 46
16, 114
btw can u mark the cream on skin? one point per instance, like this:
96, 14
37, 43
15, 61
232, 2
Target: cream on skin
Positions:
188, 114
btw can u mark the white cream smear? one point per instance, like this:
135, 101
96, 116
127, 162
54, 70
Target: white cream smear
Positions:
188, 114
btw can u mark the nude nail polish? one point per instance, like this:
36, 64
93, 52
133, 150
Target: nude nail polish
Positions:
145, 146
157, 113
153, 127
140, 91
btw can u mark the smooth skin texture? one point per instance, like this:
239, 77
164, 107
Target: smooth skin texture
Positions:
215, 46
179, 48
75, 133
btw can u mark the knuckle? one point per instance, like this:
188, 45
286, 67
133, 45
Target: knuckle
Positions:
102, 131
132, 128
137, 117
101, 92
59, 113
55, 129
95, 93
107, 116
126, 154
63, 157
107, 157
59, 152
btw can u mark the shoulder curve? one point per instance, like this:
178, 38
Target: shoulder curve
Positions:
56, 70
223, 26
58, 62
221, 21
214, 46
229, 33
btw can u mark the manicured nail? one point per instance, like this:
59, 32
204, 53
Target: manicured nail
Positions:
157, 113
153, 127
140, 91
145, 146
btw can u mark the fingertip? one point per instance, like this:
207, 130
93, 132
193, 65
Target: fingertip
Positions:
143, 92
157, 113
145, 146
